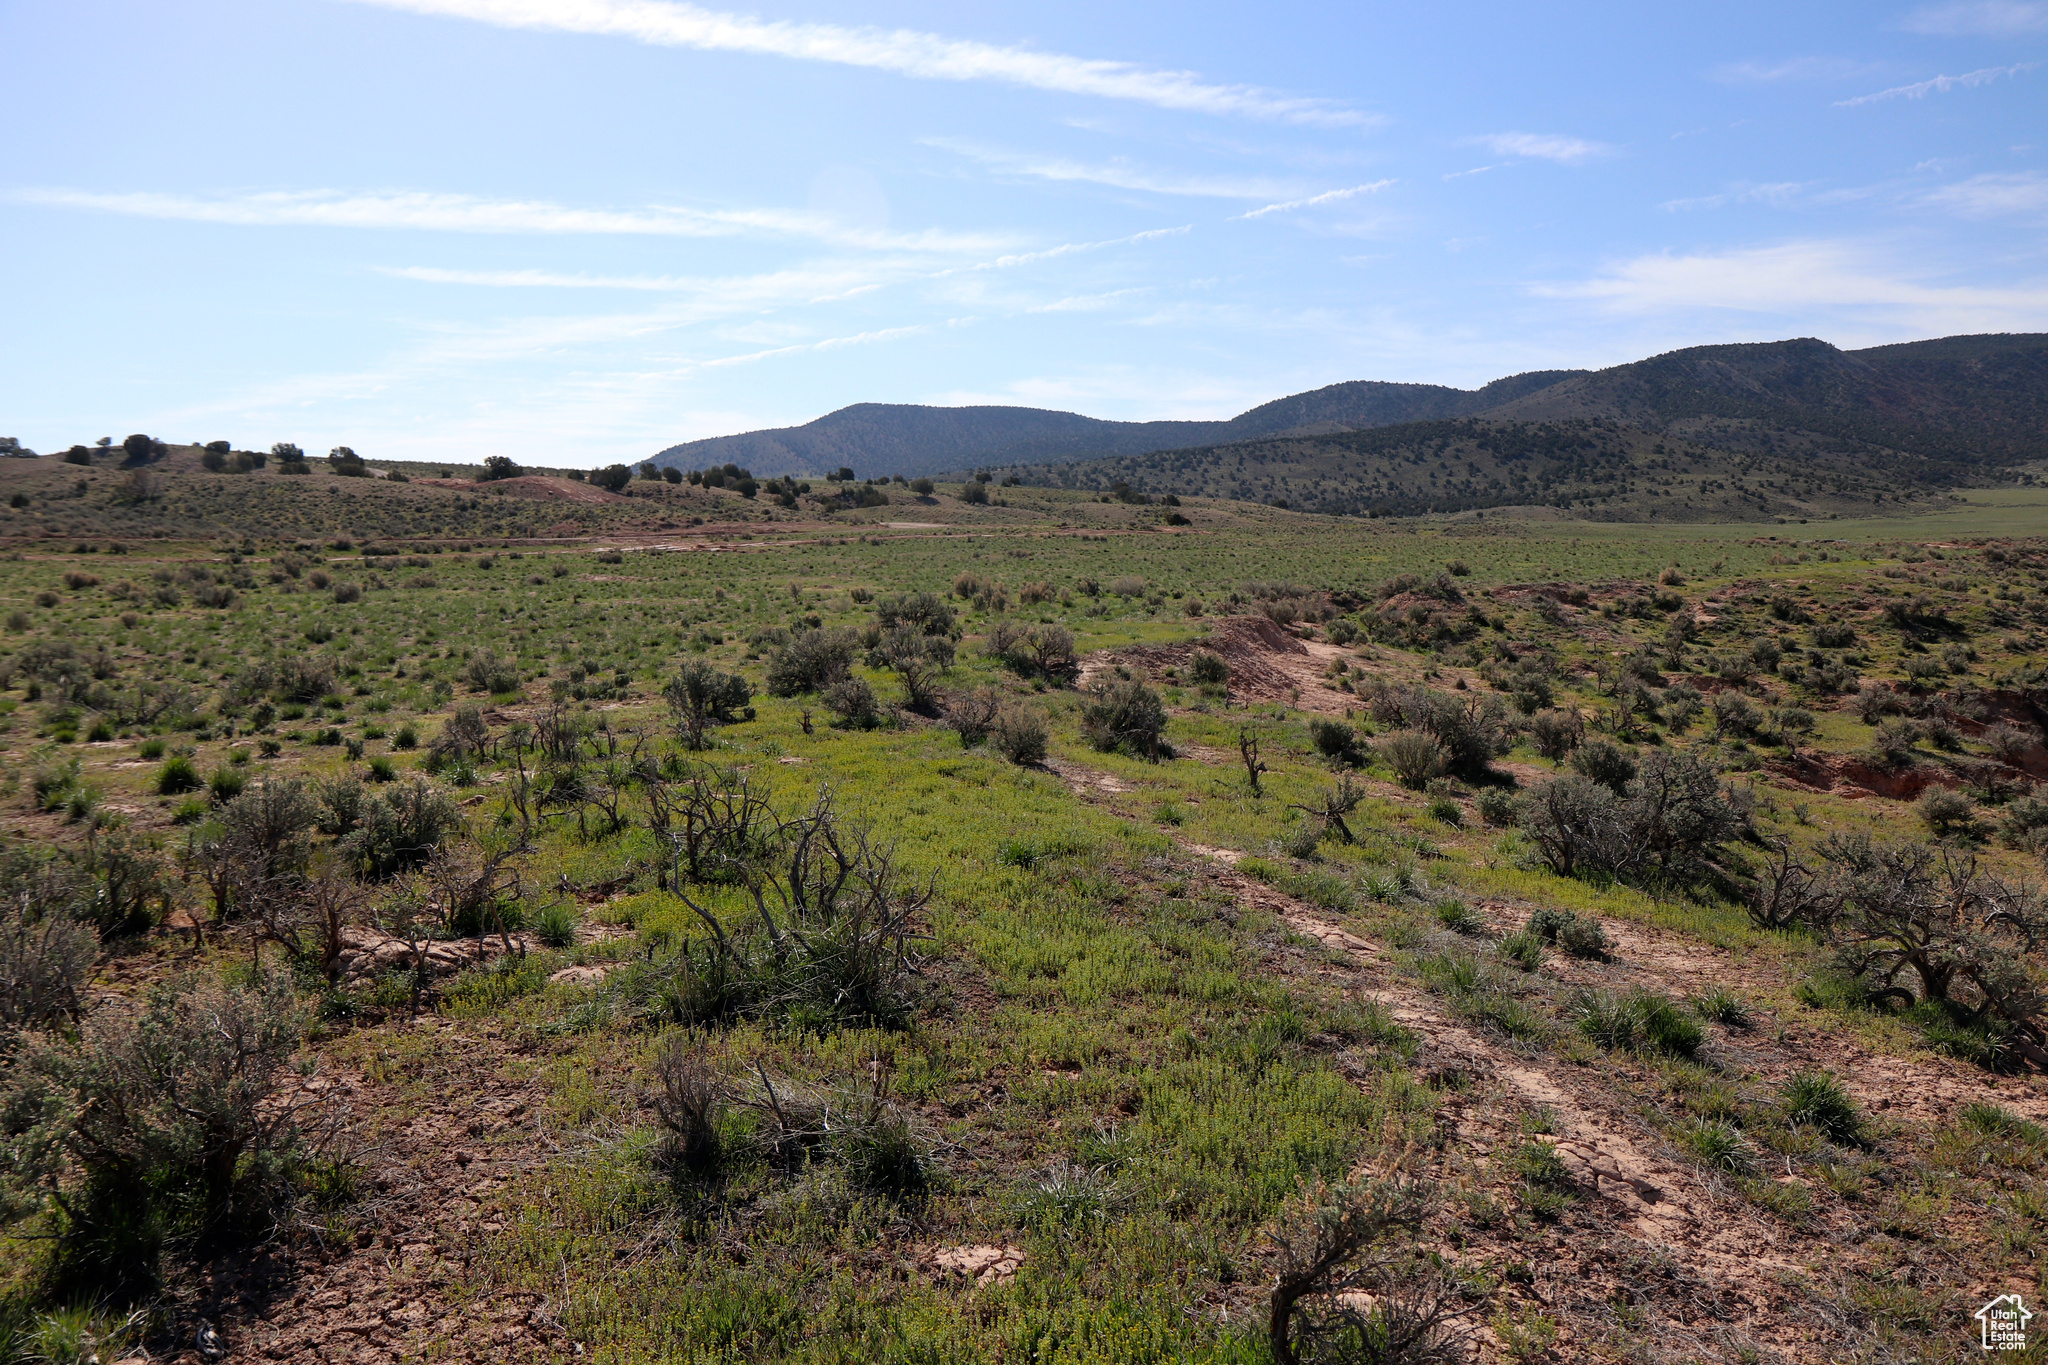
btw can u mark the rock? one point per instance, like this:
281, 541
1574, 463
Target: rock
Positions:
986, 1264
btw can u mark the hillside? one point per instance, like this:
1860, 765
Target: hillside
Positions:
884, 439
1780, 429
1967, 401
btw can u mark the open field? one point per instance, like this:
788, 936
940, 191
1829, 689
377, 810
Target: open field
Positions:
1062, 913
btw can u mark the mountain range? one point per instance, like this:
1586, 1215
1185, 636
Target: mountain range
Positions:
884, 439
1781, 427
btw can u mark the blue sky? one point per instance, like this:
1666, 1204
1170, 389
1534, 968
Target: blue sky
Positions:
574, 231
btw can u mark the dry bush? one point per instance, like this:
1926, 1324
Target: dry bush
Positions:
699, 695
1414, 757
834, 926
1556, 733
183, 1122
973, 714
1020, 734
46, 951
1342, 1294
689, 1100
1907, 916
918, 659
1127, 716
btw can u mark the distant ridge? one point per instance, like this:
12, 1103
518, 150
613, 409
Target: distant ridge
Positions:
900, 438
1789, 429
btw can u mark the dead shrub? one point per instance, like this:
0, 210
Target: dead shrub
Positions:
1343, 1294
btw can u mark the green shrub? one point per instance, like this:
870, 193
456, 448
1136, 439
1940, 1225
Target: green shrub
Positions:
1723, 1006
1208, 670
1459, 917
1718, 1144
1604, 762
1946, 813
176, 776
1496, 807
1414, 757
1817, 1100
1523, 949
1334, 740
811, 661
227, 783
175, 1137
853, 701
1578, 935
1127, 716
150, 749
556, 925
1637, 1020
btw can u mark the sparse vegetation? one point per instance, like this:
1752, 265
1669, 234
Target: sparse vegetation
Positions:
829, 906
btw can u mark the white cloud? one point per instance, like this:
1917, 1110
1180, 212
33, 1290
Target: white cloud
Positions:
1117, 174
419, 211
1777, 195
1085, 303
1940, 85
1070, 248
1812, 282
1988, 196
783, 286
1327, 197
828, 344
1542, 146
1794, 69
1992, 18
927, 56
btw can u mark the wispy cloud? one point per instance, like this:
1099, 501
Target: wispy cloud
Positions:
1991, 196
906, 52
1940, 85
811, 286
1085, 303
1314, 200
1992, 18
425, 212
828, 344
1776, 195
1117, 174
1542, 146
1801, 279
1794, 69
1070, 248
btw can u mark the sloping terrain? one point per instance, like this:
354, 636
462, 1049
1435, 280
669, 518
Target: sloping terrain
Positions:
1783, 429
896, 438
1917, 414
565, 1089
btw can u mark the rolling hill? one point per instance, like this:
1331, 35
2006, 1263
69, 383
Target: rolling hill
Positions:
882, 439
1788, 428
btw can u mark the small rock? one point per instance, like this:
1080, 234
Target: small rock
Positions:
987, 1264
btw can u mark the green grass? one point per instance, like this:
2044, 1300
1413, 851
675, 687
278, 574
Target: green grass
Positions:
1085, 995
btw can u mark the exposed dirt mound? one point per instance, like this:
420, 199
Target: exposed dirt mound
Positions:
1854, 778
1267, 663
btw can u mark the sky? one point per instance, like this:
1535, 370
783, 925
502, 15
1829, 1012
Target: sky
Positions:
576, 231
